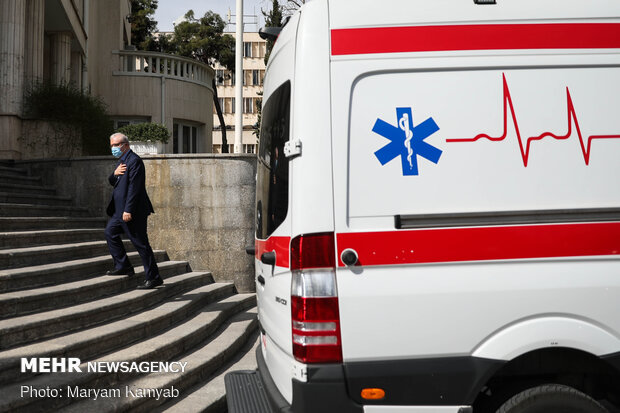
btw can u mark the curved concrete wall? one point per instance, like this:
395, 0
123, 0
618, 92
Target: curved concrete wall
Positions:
204, 205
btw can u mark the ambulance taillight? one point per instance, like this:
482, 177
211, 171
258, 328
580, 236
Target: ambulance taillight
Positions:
314, 299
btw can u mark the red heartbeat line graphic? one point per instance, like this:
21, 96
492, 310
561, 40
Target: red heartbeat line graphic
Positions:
525, 153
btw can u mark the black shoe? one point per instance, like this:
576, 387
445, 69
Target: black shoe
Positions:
121, 271
150, 284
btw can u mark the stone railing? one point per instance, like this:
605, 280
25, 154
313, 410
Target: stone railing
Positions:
139, 63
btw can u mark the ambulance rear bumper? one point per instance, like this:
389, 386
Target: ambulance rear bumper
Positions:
255, 391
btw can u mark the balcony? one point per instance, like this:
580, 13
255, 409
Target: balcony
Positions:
140, 63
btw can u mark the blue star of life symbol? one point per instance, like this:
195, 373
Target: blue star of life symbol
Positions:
407, 141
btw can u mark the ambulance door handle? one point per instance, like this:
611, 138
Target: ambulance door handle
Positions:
261, 279
268, 258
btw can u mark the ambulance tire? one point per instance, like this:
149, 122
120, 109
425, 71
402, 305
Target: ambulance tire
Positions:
552, 398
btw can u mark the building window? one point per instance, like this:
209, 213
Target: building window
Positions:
220, 76
247, 78
184, 138
229, 78
256, 78
230, 105
272, 167
247, 49
249, 148
248, 105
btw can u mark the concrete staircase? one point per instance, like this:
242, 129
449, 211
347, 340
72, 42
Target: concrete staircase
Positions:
57, 302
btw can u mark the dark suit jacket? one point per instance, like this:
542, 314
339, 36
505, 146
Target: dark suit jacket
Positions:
129, 190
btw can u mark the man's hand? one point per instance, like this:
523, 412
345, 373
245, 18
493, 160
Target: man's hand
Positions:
126, 216
120, 169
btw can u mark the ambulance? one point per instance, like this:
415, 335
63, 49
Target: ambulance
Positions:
438, 210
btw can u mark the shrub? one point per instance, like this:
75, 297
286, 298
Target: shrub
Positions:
67, 105
144, 132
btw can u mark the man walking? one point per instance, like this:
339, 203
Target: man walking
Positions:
129, 209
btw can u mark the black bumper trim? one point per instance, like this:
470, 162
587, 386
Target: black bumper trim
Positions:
325, 390
446, 381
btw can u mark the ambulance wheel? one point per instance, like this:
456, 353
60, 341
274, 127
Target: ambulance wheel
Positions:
552, 398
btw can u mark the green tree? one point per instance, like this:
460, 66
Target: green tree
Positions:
273, 18
203, 39
142, 23
259, 110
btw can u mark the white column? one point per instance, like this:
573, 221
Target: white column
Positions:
12, 38
239, 76
60, 64
86, 19
76, 69
33, 55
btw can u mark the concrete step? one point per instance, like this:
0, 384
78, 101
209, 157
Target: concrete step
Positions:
90, 343
25, 329
43, 223
8, 178
210, 396
33, 210
34, 199
211, 351
12, 170
24, 239
27, 189
19, 303
63, 272
202, 362
48, 254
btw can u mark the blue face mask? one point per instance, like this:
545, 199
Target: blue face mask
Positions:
116, 151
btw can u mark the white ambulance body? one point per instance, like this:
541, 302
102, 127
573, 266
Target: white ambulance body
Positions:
438, 208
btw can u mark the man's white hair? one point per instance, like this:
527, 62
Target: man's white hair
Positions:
124, 138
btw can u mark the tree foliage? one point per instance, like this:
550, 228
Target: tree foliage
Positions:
67, 105
145, 132
273, 18
142, 23
203, 39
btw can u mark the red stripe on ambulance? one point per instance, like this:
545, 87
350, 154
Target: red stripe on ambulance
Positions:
475, 37
278, 244
482, 243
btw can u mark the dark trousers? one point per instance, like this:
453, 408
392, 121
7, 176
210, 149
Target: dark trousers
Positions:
136, 232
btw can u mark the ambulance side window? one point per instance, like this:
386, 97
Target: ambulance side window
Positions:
272, 169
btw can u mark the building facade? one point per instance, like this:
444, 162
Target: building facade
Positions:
253, 74
86, 43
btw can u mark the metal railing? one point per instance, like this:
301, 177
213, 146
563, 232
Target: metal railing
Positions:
140, 63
